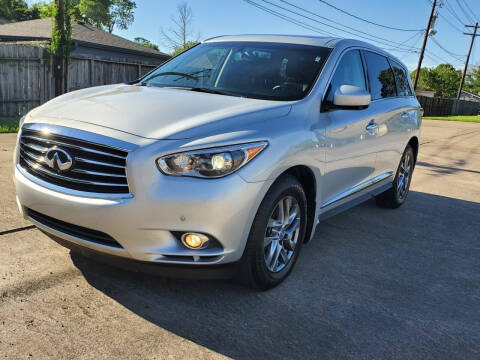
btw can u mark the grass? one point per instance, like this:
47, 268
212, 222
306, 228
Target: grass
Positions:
9, 125
473, 118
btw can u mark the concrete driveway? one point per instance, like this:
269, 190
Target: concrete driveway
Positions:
374, 284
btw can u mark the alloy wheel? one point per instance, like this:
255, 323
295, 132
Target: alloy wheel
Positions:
404, 174
282, 234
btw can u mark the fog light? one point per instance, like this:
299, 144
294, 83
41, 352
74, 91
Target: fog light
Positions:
194, 241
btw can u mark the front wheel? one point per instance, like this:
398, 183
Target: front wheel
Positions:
397, 194
276, 236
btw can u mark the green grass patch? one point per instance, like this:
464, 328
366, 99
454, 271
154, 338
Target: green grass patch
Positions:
9, 125
473, 118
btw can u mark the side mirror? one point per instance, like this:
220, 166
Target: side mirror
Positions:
349, 96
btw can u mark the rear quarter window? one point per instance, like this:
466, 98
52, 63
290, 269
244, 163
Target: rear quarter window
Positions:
380, 76
403, 86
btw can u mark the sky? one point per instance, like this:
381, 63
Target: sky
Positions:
222, 17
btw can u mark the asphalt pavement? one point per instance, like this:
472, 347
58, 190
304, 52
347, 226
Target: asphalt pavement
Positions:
373, 284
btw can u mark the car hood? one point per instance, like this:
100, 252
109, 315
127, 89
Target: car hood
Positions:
159, 113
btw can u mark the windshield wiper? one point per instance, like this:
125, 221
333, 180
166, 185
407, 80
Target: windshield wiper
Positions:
215, 91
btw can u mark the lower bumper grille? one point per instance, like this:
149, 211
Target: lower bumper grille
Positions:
74, 230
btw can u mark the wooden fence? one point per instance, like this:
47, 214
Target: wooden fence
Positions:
444, 106
26, 79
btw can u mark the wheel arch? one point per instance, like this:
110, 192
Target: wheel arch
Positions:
307, 179
413, 142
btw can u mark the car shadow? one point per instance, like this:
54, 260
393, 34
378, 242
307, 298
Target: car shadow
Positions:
374, 283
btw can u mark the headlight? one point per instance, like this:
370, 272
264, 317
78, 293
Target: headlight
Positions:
210, 163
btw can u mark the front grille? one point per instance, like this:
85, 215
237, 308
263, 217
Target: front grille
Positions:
73, 230
96, 168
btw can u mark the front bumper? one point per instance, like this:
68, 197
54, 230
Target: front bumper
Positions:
143, 223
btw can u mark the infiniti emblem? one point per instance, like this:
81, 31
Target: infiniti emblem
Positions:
58, 159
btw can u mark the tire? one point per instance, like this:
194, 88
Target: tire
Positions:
397, 194
258, 267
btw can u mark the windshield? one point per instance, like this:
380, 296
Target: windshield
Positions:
270, 71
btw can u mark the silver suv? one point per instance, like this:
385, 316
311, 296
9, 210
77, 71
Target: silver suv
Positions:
222, 160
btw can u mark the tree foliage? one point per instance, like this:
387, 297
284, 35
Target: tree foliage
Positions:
179, 49
45, 9
145, 42
178, 37
17, 10
472, 83
104, 14
444, 80
61, 43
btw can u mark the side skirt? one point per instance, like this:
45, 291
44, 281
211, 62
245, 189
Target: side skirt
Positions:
354, 202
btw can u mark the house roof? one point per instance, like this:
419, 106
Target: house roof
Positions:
41, 29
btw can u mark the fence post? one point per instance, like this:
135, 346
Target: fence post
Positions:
139, 70
92, 72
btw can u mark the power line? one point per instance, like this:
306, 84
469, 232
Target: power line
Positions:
291, 20
435, 57
369, 37
325, 18
452, 11
467, 15
418, 34
474, 35
400, 48
430, 2
425, 38
365, 20
456, 56
470, 9
449, 23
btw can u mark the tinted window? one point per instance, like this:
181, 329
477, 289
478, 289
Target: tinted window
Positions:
403, 86
251, 69
349, 72
382, 82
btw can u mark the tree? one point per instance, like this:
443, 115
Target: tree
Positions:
472, 83
61, 43
178, 37
145, 42
421, 85
106, 14
45, 10
179, 49
121, 14
444, 80
17, 10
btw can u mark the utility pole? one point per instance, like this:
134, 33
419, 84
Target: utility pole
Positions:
427, 32
474, 34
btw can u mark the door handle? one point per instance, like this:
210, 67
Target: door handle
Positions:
372, 127
405, 115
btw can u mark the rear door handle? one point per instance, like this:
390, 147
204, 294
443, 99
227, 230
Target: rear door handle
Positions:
372, 127
405, 115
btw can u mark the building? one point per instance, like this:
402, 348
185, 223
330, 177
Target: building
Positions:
97, 58
87, 41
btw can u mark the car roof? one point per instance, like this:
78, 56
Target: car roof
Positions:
324, 41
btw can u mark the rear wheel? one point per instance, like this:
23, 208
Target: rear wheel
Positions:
276, 236
397, 194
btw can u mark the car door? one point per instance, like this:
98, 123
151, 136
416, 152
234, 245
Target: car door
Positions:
390, 89
350, 160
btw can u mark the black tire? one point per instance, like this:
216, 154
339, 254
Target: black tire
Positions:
254, 271
393, 197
